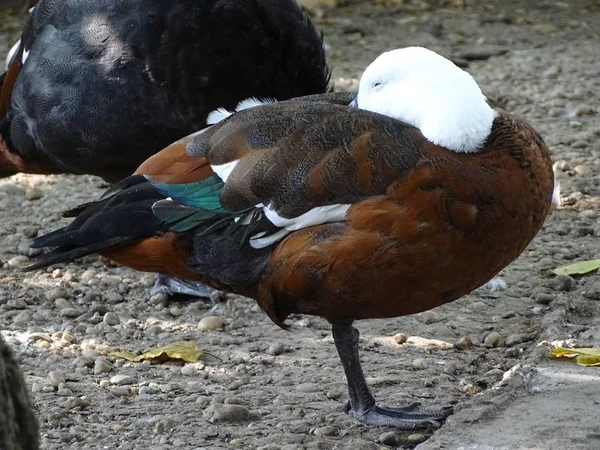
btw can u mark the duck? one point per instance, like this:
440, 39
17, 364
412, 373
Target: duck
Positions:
387, 202
98, 86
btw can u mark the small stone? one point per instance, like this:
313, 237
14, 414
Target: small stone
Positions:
175, 311
494, 373
101, 366
581, 169
210, 323
89, 353
463, 343
104, 383
55, 293
275, 349
147, 390
334, 394
77, 402
307, 387
450, 369
121, 391
203, 400
36, 387
83, 361
111, 318
87, 275
122, 380
23, 318
562, 283
33, 193
159, 428
492, 339
227, 413
430, 317
189, 370
67, 337
62, 303
64, 392
388, 438
543, 298
416, 438
237, 323
55, 378
400, 338
18, 261
514, 339
419, 364
69, 312
326, 431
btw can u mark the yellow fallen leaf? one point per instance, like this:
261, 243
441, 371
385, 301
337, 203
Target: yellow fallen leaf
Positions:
583, 356
177, 351
579, 268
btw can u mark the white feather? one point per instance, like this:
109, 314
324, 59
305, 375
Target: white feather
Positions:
252, 102
316, 216
217, 115
496, 284
224, 170
25, 55
257, 241
221, 113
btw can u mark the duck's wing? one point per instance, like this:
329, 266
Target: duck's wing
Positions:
295, 164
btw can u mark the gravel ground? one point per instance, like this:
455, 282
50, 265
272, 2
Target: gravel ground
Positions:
261, 387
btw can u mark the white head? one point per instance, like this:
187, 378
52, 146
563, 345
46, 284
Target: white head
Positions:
426, 90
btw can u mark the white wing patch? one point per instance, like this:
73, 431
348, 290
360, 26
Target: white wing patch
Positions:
224, 170
316, 216
221, 113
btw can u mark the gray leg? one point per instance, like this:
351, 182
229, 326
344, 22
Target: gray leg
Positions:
362, 403
164, 284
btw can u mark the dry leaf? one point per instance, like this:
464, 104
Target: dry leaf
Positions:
583, 356
177, 351
579, 268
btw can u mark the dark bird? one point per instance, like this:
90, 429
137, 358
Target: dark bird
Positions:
402, 198
98, 86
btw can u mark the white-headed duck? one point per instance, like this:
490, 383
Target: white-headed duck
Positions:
402, 198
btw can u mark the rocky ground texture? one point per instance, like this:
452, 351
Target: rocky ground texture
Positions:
260, 387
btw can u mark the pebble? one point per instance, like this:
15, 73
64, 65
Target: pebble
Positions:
87, 275
122, 380
64, 392
562, 283
415, 438
419, 364
62, 303
430, 317
495, 373
23, 318
492, 339
55, 293
543, 298
328, 430
307, 387
334, 394
69, 312
83, 361
227, 413
388, 438
101, 366
275, 349
514, 339
203, 400
189, 370
89, 353
33, 193
18, 261
237, 323
55, 378
400, 338
210, 323
463, 343
111, 318
120, 391
451, 369
147, 390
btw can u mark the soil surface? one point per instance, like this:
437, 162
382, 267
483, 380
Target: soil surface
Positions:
265, 388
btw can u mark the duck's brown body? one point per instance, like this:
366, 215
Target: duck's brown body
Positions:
449, 224
424, 226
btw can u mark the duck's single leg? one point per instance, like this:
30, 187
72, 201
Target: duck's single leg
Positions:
362, 403
164, 284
